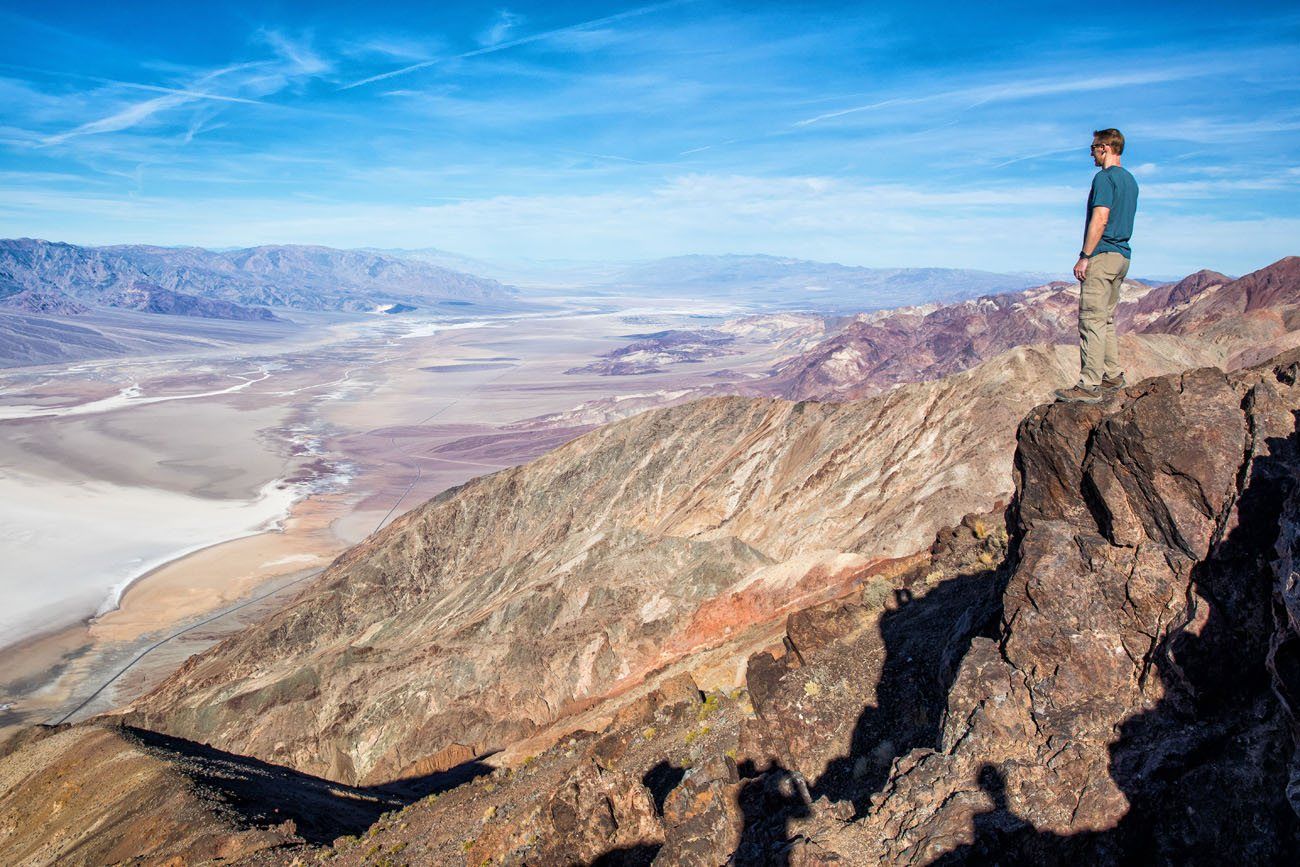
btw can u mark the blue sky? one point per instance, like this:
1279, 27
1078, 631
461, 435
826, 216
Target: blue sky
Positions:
888, 134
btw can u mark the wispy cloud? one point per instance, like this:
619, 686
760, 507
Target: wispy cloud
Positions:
389, 46
1019, 89
140, 112
523, 40
500, 28
885, 136
245, 83
298, 52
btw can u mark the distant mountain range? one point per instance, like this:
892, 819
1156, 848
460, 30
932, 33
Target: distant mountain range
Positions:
195, 282
772, 282
798, 283
56, 278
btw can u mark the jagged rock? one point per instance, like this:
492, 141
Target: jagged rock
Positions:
595, 811
702, 816
1126, 708
862, 681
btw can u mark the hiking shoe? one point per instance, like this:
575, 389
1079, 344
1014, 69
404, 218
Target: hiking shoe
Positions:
1110, 384
1079, 394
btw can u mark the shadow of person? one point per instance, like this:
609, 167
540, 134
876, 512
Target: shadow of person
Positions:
769, 800
925, 638
996, 833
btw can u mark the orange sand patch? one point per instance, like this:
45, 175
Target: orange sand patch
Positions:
215, 577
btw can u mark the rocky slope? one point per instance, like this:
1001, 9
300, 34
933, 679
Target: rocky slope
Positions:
149, 298
1064, 692
310, 278
1112, 680
516, 601
1135, 701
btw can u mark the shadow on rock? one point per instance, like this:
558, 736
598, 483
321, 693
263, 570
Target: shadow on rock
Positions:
909, 640
769, 800
263, 794
924, 638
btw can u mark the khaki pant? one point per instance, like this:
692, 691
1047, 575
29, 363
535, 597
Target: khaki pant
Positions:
1098, 297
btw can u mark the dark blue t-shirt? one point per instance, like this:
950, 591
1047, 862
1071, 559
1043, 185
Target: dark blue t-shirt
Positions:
1116, 189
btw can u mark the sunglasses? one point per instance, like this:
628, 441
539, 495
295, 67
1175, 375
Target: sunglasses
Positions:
1096, 148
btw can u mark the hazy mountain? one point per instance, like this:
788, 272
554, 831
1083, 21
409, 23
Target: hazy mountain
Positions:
762, 281
309, 278
801, 284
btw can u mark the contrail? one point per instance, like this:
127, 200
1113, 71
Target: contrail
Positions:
523, 40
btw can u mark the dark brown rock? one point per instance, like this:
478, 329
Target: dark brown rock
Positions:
596, 811
1128, 708
702, 816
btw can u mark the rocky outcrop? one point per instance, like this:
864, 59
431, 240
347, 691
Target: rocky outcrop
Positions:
1133, 703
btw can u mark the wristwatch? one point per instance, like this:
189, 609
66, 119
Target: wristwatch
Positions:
1083, 255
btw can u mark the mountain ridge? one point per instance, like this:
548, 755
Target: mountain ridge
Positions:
291, 276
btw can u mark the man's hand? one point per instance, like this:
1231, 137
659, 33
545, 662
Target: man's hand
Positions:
1081, 268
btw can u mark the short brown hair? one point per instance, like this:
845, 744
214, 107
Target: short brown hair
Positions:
1112, 138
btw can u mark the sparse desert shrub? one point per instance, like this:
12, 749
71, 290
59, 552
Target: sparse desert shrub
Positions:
695, 734
877, 594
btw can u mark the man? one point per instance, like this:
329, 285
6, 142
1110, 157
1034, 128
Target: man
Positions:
1102, 266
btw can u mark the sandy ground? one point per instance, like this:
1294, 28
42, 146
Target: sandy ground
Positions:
222, 575
149, 464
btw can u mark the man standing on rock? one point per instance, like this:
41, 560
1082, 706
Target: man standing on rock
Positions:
1102, 266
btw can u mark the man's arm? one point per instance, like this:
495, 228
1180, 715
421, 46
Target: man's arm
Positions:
1091, 238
